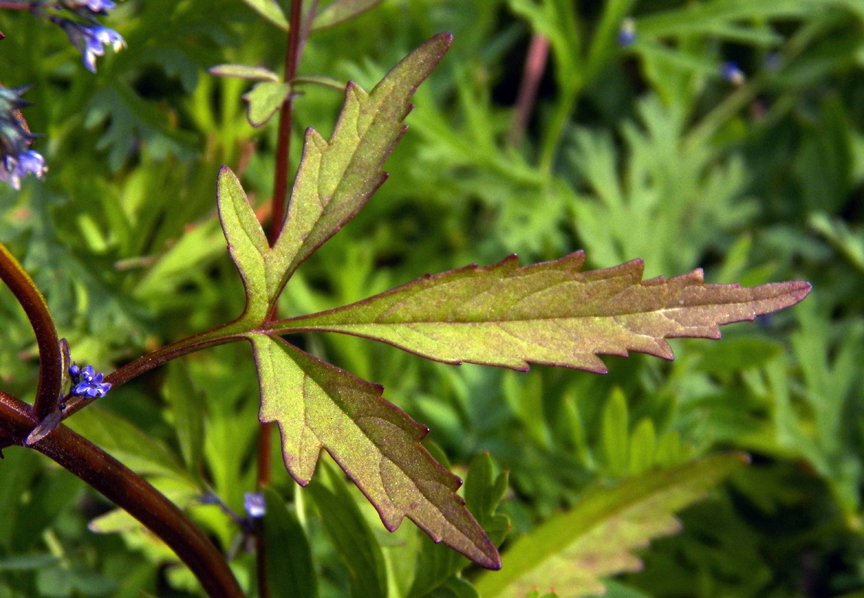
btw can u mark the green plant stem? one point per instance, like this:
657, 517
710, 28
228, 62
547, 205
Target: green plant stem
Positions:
31, 300
128, 491
557, 123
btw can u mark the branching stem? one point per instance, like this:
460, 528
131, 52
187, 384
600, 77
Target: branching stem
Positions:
127, 490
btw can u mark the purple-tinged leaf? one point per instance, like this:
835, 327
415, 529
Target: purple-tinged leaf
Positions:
317, 405
549, 313
244, 71
336, 177
265, 98
340, 11
247, 243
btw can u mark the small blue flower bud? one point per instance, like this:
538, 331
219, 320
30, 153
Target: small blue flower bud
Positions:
627, 32
255, 504
87, 382
732, 73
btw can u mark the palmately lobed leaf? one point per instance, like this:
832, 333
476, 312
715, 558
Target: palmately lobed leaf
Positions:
550, 313
317, 405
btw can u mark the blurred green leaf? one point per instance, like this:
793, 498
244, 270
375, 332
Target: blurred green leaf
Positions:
270, 10
290, 570
264, 100
351, 535
342, 10
243, 71
594, 539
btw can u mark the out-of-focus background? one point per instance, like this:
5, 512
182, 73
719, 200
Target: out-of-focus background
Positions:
714, 134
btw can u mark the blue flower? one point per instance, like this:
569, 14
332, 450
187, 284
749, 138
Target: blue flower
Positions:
13, 168
627, 32
87, 382
91, 39
732, 73
255, 504
95, 6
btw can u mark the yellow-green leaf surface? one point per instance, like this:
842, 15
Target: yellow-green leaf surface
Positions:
247, 243
572, 551
549, 313
336, 177
317, 405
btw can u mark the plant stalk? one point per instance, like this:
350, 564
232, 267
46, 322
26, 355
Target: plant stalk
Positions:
36, 309
128, 491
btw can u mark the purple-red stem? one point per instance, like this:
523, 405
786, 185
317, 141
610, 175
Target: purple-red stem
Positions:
31, 300
279, 204
535, 64
128, 491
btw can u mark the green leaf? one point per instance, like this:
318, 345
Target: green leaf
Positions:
247, 243
573, 550
270, 10
615, 436
127, 443
336, 178
244, 71
187, 408
290, 571
317, 405
549, 313
351, 536
339, 11
265, 99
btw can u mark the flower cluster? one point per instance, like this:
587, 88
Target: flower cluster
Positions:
87, 382
17, 160
91, 40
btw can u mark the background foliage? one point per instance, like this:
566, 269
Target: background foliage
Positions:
637, 151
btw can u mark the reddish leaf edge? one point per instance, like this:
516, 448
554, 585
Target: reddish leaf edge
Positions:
792, 292
492, 560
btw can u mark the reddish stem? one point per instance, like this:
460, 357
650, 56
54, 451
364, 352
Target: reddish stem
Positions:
31, 300
535, 64
283, 149
279, 203
17, 5
127, 490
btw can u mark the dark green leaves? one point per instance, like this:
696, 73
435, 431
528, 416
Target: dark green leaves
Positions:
550, 313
